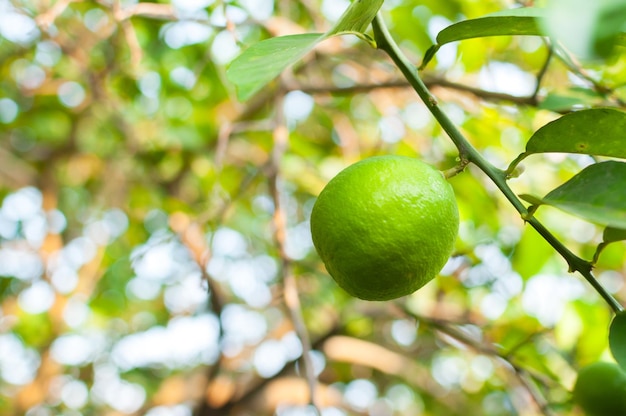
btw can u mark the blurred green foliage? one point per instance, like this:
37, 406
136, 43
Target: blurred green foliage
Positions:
150, 221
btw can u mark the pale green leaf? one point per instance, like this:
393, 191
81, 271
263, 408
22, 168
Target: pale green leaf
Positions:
356, 18
264, 61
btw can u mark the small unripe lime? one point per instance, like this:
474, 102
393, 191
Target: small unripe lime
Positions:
600, 389
385, 226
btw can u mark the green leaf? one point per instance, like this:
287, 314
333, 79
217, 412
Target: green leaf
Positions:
575, 97
558, 102
595, 194
264, 61
522, 21
598, 131
617, 338
535, 200
356, 18
610, 235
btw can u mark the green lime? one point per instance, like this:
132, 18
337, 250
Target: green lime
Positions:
385, 226
600, 389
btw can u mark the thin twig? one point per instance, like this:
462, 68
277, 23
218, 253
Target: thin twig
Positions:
467, 151
136, 52
46, 19
576, 68
543, 71
524, 377
150, 10
292, 299
429, 81
257, 385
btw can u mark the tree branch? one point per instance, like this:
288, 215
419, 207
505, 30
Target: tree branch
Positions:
292, 299
520, 373
468, 152
429, 81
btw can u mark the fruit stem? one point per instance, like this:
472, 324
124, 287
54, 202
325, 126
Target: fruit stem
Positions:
468, 153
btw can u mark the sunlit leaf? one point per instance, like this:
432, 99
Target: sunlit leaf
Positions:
357, 17
617, 338
596, 194
522, 21
264, 61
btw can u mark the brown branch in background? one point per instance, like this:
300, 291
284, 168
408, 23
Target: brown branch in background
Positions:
292, 299
46, 19
543, 71
149, 10
524, 376
230, 25
359, 352
321, 24
220, 208
191, 236
259, 386
572, 64
14, 172
429, 81
136, 52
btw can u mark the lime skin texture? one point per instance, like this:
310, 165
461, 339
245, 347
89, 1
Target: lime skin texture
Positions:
600, 389
385, 226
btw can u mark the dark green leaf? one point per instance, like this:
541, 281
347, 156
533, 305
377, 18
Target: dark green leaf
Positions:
596, 194
617, 339
612, 235
598, 131
264, 61
521, 21
429, 55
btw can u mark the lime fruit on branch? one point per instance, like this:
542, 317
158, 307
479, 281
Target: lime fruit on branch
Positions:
385, 226
600, 389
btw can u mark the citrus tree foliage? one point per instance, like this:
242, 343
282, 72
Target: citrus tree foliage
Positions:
159, 163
